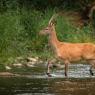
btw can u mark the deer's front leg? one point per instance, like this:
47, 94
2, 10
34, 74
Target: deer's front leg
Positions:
48, 68
66, 68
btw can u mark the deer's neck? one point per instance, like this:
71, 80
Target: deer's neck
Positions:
53, 40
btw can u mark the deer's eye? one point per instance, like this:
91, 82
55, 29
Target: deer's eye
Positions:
46, 29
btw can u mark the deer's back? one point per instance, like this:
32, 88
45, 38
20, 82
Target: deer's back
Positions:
76, 51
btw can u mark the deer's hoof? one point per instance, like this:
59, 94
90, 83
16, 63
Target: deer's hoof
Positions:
49, 75
91, 72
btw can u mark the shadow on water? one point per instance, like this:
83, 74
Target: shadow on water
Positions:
51, 86
78, 83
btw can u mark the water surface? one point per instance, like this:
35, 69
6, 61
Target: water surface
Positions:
34, 81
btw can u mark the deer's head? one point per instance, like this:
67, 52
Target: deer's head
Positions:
51, 25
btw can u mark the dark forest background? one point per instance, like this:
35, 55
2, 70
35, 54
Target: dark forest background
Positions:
21, 21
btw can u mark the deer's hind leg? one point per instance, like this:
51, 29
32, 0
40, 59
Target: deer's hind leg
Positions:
90, 70
92, 62
66, 67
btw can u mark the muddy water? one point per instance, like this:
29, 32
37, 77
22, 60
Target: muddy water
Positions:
33, 81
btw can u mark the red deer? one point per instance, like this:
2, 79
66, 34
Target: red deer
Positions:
68, 52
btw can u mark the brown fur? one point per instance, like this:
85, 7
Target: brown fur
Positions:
69, 52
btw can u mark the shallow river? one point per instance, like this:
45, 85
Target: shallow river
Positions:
34, 81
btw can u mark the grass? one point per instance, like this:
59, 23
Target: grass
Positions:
19, 33
67, 32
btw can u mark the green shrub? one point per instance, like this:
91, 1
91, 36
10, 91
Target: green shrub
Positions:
19, 33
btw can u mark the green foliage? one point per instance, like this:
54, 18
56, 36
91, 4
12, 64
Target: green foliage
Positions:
21, 21
66, 31
10, 31
19, 33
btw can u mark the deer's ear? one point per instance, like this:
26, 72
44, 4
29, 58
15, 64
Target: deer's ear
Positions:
53, 23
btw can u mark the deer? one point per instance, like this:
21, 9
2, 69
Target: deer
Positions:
68, 52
